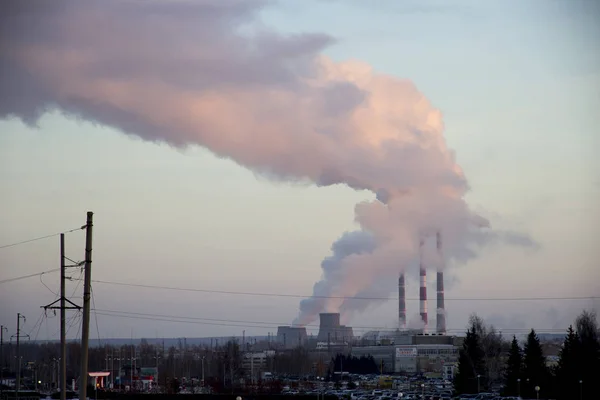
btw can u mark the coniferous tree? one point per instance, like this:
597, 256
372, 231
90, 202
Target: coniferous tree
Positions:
589, 359
568, 371
471, 365
514, 369
534, 366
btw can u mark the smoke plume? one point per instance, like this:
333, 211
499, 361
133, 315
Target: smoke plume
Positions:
207, 73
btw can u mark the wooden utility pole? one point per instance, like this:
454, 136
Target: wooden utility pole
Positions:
63, 307
87, 285
63, 323
18, 382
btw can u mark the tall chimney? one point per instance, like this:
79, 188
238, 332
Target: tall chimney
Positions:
401, 302
441, 312
423, 288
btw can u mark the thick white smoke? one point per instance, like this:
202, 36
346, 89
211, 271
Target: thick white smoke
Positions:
183, 73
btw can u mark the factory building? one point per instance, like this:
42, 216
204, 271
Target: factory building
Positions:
414, 354
256, 362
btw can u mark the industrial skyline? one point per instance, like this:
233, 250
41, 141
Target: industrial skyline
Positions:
297, 180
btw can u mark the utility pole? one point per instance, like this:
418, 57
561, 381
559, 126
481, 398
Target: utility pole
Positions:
63, 308
131, 369
18, 337
2, 329
85, 329
252, 368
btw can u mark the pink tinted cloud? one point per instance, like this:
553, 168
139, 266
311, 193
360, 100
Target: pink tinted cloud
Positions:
183, 73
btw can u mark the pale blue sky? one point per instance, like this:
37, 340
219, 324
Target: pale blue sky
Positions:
518, 83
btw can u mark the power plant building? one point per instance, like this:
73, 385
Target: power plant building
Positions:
415, 354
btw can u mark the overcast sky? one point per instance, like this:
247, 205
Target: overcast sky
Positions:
517, 84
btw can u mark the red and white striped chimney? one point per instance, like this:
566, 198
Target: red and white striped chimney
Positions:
440, 312
422, 288
401, 302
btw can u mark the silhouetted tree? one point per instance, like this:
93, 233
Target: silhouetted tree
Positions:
568, 371
514, 369
354, 365
471, 364
589, 356
534, 366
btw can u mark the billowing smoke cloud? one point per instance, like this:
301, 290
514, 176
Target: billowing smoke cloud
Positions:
206, 73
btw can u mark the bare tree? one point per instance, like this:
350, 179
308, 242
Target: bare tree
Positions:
493, 347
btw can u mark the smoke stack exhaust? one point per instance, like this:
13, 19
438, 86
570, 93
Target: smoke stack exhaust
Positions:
441, 312
423, 288
401, 302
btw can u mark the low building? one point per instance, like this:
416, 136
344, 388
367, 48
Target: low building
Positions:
417, 354
256, 363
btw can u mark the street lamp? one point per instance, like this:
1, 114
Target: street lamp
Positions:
422, 390
519, 387
580, 389
537, 392
478, 376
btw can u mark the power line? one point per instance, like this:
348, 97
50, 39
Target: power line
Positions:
18, 278
38, 238
269, 324
47, 287
95, 315
337, 297
263, 325
79, 280
116, 313
179, 321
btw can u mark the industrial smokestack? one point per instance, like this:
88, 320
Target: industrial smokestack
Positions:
423, 288
441, 312
401, 302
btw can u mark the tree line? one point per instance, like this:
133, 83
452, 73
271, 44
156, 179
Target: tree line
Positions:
363, 365
40, 361
486, 361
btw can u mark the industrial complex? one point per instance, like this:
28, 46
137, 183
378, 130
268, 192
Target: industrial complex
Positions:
397, 351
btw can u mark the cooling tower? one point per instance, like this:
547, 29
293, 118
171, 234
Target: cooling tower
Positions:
331, 331
291, 336
423, 288
401, 302
329, 320
441, 312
